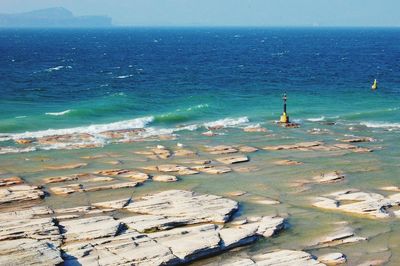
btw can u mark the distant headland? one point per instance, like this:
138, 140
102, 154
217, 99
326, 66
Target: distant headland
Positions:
53, 18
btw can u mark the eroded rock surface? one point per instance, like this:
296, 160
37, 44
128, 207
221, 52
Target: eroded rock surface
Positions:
358, 202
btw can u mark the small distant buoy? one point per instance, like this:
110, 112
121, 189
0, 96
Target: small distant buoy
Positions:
375, 85
284, 117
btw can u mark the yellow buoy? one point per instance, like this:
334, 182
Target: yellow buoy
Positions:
375, 85
284, 117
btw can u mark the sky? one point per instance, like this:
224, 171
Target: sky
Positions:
262, 13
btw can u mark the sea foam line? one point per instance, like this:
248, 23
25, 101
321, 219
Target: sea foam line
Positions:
380, 124
59, 113
92, 129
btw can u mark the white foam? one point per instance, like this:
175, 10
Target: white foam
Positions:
227, 122
57, 68
318, 119
124, 76
92, 129
59, 113
199, 106
380, 124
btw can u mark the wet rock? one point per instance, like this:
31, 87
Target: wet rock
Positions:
298, 146
215, 170
100, 179
179, 203
68, 189
28, 251
247, 149
15, 180
161, 152
221, 149
356, 140
391, 188
112, 186
237, 193
168, 168
24, 141
114, 204
67, 166
184, 153
287, 162
79, 209
165, 178
331, 177
135, 175
246, 169
286, 257
255, 129
233, 159
343, 235
357, 202
198, 162
208, 133
60, 179
17, 193
90, 228
333, 258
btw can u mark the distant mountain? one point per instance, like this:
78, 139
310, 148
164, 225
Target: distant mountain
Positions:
54, 18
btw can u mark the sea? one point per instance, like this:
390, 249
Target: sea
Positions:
183, 81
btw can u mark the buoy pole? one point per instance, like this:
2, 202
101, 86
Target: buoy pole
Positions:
284, 117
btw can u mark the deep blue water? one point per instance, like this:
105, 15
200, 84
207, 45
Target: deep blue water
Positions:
183, 76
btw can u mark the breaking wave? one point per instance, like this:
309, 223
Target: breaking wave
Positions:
59, 113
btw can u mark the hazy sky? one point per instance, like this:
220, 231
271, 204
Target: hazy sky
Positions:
227, 12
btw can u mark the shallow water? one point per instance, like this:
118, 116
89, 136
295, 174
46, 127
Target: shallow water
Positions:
193, 77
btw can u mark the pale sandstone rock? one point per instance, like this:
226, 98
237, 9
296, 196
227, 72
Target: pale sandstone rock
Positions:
221, 149
342, 235
233, 159
391, 188
216, 170
285, 258
246, 169
331, 177
148, 223
333, 258
168, 168
39, 229
179, 203
184, 153
25, 213
60, 179
267, 202
198, 162
17, 193
187, 172
26, 251
68, 189
247, 149
302, 145
15, 180
79, 209
161, 152
90, 228
357, 202
112, 186
114, 204
165, 178
139, 176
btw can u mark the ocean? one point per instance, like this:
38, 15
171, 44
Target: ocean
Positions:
182, 81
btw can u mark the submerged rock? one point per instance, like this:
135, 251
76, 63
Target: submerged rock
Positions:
221, 149
287, 162
333, 258
66, 166
342, 235
331, 177
255, 129
15, 180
